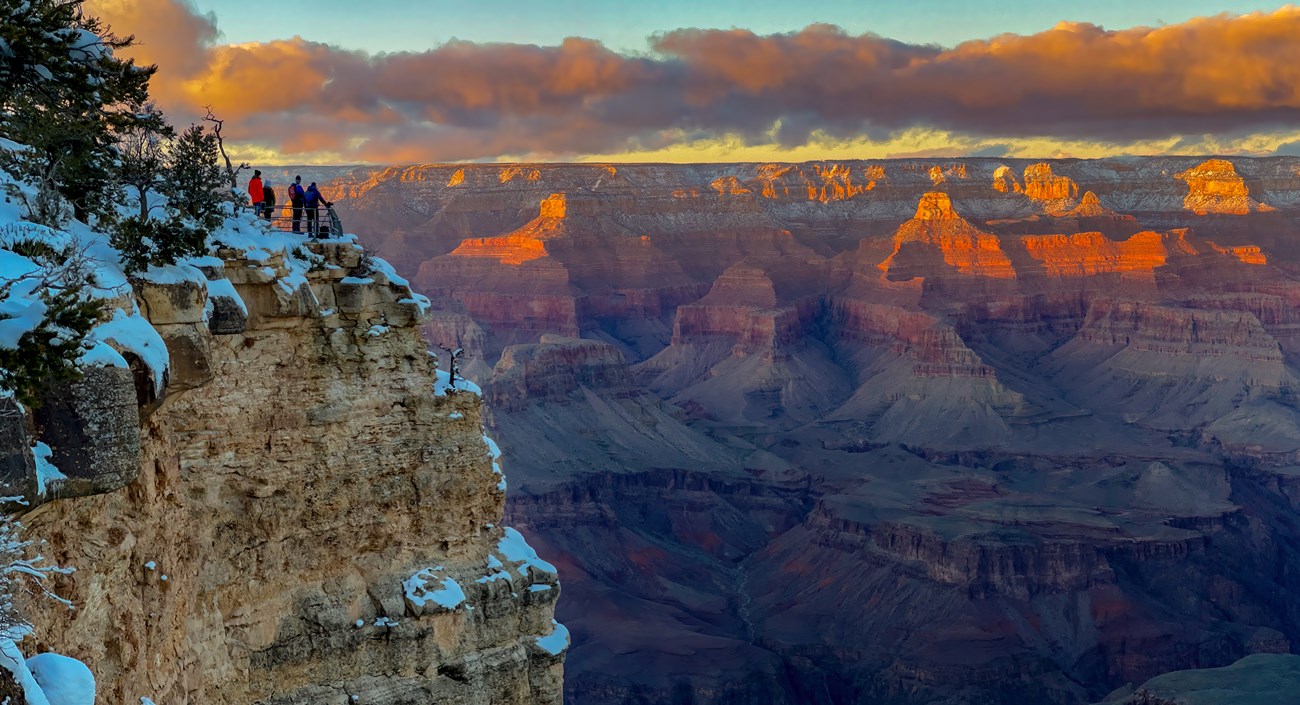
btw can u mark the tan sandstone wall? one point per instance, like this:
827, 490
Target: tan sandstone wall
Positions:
294, 475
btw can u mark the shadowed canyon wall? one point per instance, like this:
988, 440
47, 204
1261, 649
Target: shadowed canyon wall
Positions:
911, 431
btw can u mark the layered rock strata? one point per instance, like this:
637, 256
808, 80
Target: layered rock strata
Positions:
316, 517
983, 430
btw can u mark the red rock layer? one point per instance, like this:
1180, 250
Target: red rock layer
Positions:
937, 228
1087, 254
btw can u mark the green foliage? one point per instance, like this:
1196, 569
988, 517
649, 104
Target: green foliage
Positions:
186, 171
65, 95
142, 158
194, 183
49, 352
147, 241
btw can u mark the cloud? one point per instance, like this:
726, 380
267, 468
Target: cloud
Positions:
460, 101
1288, 149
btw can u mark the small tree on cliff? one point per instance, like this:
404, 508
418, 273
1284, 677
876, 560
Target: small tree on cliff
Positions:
54, 298
185, 170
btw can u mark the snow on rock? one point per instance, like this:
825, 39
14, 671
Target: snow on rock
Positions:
64, 680
419, 300
557, 641
130, 332
514, 549
223, 288
381, 265
101, 354
22, 311
443, 385
493, 577
179, 273
429, 586
46, 474
495, 451
11, 659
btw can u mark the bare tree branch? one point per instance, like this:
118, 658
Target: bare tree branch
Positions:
453, 364
231, 170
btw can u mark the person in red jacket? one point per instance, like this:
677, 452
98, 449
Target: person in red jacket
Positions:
255, 193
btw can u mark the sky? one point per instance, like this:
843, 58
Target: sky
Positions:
418, 81
625, 25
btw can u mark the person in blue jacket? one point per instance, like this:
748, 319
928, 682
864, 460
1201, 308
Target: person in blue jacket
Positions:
312, 202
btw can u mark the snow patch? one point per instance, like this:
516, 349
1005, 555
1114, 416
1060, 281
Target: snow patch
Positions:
47, 476
64, 680
493, 577
515, 549
442, 385
11, 659
179, 273
557, 641
447, 595
101, 354
495, 451
131, 332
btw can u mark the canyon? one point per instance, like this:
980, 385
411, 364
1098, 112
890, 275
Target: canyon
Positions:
901, 431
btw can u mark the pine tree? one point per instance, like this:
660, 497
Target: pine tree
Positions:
185, 170
142, 160
194, 178
65, 94
66, 98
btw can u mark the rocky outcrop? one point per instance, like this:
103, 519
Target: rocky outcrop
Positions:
938, 229
299, 483
1258, 678
1090, 254
1056, 192
1214, 186
93, 429
552, 371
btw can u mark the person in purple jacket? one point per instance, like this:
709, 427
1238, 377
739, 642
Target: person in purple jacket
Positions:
296, 199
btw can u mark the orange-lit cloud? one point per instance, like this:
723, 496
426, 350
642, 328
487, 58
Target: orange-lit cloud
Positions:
1210, 81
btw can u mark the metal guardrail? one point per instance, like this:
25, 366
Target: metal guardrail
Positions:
328, 226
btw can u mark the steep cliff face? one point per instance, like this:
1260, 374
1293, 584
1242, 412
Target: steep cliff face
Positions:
317, 513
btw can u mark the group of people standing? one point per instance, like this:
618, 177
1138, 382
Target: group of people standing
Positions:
301, 201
